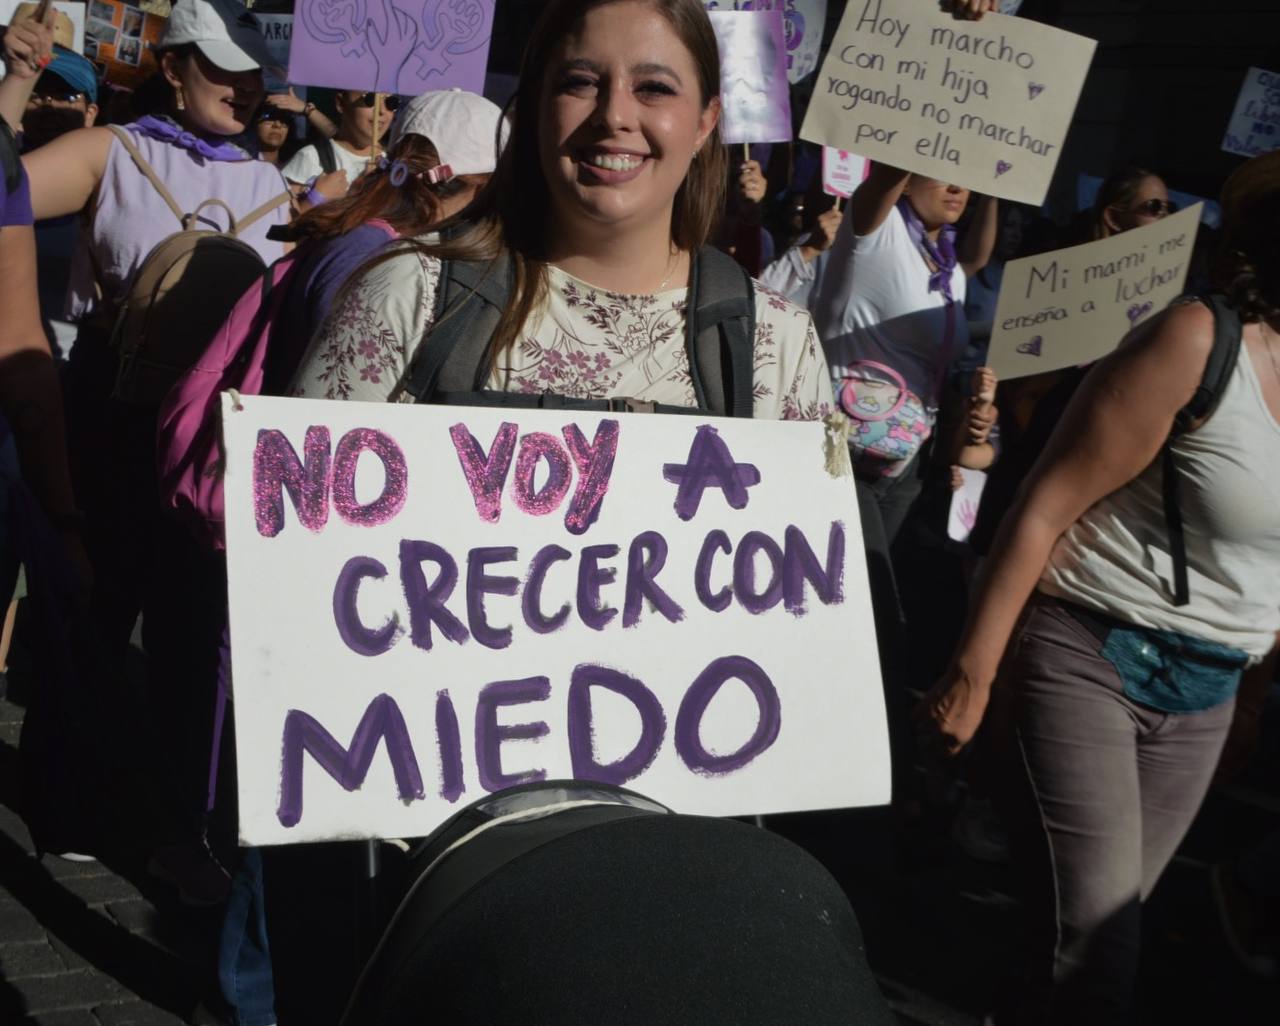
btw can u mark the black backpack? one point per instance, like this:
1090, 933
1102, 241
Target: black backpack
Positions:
452, 363
575, 902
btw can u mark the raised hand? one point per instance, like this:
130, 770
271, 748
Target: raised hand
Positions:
392, 42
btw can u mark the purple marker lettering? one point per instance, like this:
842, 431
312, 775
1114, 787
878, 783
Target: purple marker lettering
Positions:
591, 578
710, 465
801, 564
744, 572
531, 599
277, 469
485, 473
694, 706
581, 727
490, 734
595, 468
395, 486
480, 584
348, 766
719, 601
449, 744
357, 637
427, 602
645, 560
534, 447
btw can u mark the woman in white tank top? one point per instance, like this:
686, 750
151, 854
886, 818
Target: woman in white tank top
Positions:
1118, 689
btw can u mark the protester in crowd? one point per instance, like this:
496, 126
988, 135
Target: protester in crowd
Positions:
742, 232
797, 273
606, 194
1117, 691
210, 58
30, 398
290, 103
65, 98
1130, 198
271, 129
353, 148
441, 154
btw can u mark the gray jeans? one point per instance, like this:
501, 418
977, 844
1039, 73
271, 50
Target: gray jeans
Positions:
1101, 791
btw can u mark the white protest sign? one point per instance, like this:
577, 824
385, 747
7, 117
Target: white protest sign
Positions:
964, 504
1255, 123
842, 172
982, 104
1073, 306
429, 603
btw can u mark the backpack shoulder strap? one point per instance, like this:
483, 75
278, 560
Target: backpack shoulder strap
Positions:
453, 355
1213, 383
126, 140
721, 334
328, 159
261, 211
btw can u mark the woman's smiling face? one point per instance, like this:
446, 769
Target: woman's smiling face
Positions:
621, 117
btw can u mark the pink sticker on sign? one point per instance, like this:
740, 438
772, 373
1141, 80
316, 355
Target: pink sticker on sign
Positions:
842, 172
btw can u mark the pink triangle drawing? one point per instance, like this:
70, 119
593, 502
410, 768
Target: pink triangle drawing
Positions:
1035, 89
1032, 347
1002, 166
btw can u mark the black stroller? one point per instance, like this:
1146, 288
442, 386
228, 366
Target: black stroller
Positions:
580, 904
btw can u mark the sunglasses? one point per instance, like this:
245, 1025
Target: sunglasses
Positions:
390, 101
57, 97
1156, 207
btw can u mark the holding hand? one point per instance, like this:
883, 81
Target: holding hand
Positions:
973, 10
333, 185
28, 46
752, 184
982, 407
823, 236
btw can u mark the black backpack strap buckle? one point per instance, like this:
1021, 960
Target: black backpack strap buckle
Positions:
626, 404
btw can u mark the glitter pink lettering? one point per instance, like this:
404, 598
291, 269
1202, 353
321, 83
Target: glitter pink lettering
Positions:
277, 469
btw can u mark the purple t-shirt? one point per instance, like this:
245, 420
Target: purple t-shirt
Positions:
15, 207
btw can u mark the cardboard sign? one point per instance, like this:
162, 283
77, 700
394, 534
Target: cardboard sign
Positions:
755, 103
964, 504
982, 104
73, 12
119, 39
842, 172
392, 46
1073, 306
430, 603
1255, 123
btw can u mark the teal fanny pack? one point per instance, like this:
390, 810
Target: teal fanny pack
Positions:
1166, 670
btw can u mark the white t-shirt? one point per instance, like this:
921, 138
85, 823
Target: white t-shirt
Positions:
873, 303
306, 165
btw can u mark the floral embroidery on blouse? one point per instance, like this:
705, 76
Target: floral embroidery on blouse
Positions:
587, 343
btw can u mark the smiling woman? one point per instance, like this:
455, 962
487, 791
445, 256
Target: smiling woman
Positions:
597, 219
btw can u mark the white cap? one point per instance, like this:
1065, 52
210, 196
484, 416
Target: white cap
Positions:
462, 126
224, 31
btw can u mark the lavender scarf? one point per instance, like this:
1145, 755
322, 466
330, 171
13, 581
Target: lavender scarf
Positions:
167, 130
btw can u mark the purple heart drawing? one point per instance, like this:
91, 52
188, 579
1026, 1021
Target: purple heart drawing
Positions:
1001, 167
1032, 347
1035, 89
1138, 311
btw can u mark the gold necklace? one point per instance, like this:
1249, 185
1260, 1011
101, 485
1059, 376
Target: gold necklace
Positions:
672, 260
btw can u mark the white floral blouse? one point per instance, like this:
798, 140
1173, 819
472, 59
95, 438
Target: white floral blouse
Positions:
587, 343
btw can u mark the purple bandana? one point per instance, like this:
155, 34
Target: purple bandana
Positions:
167, 130
943, 256
942, 253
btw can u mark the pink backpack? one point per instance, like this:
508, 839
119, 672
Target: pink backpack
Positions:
189, 451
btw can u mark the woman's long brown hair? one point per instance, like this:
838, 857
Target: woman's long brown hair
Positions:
511, 212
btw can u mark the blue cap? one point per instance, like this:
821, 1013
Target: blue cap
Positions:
75, 70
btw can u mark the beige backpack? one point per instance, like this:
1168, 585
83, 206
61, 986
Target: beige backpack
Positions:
181, 294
